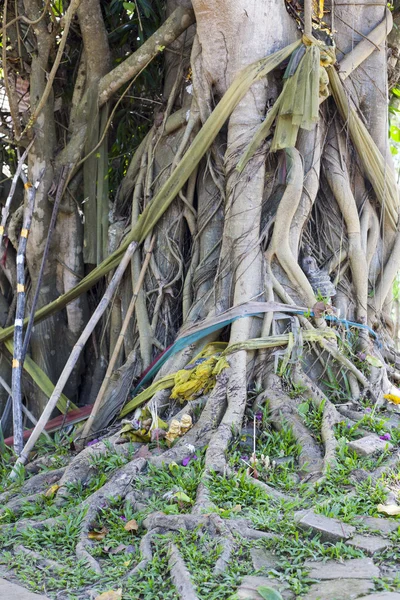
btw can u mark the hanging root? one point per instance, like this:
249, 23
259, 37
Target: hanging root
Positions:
279, 245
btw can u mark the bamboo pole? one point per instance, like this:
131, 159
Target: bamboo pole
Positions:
72, 360
6, 209
100, 396
19, 317
27, 412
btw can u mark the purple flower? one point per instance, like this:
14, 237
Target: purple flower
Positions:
92, 442
123, 517
187, 460
385, 437
258, 416
348, 426
367, 410
244, 457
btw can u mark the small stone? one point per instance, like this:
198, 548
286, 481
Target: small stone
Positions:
10, 590
382, 596
263, 559
369, 445
384, 526
250, 583
330, 530
369, 544
342, 589
355, 568
393, 423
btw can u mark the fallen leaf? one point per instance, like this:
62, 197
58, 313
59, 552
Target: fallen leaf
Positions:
182, 497
319, 309
110, 595
373, 361
268, 593
118, 549
131, 525
51, 491
98, 535
389, 509
143, 452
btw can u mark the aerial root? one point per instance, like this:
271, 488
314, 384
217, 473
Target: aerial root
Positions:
81, 468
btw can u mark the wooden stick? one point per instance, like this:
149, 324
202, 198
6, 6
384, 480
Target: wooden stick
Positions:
19, 317
6, 209
100, 396
73, 358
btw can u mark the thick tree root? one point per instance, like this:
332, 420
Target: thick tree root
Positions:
81, 468
180, 575
35, 485
118, 485
330, 416
283, 410
40, 562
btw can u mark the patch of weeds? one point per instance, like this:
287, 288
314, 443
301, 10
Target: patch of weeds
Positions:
363, 501
292, 546
347, 432
111, 460
391, 556
385, 584
176, 484
229, 494
276, 453
339, 475
312, 417
200, 552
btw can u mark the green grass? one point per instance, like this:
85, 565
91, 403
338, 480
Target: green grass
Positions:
233, 497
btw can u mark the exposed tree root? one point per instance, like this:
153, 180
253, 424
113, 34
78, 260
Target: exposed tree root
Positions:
283, 410
180, 575
40, 561
330, 415
118, 485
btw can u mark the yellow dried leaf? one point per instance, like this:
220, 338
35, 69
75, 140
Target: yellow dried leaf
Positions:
51, 491
98, 535
131, 525
127, 563
110, 595
389, 509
